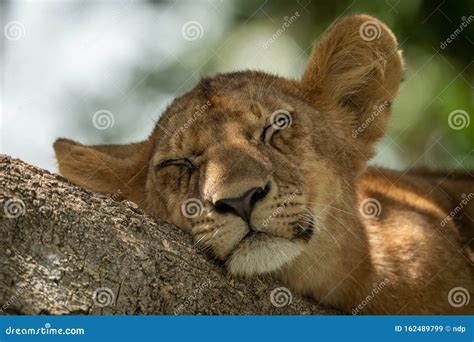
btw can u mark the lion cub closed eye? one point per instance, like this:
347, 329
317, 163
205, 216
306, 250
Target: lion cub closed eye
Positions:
270, 175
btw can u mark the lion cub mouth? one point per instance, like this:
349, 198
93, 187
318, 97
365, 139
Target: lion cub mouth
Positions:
259, 253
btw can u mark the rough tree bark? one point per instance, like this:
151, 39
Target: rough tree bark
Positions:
65, 250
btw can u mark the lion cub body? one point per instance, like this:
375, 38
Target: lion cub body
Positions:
415, 259
270, 176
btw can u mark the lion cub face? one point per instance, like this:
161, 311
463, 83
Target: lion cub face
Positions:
235, 165
247, 162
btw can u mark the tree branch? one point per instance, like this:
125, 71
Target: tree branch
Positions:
65, 250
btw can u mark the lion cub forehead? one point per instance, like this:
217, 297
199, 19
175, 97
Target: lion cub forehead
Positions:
212, 113
200, 130
201, 126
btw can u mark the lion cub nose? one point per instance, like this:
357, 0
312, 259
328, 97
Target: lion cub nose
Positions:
242, 206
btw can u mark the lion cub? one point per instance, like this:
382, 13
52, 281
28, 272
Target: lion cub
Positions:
270, 175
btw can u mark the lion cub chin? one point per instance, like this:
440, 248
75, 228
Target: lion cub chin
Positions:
260, 254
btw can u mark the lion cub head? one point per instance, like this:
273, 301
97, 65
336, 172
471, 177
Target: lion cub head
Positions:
247, 162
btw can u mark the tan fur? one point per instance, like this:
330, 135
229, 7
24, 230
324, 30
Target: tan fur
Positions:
307, 226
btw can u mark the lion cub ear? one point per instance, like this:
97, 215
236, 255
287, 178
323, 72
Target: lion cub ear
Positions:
116, 169
353, 70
